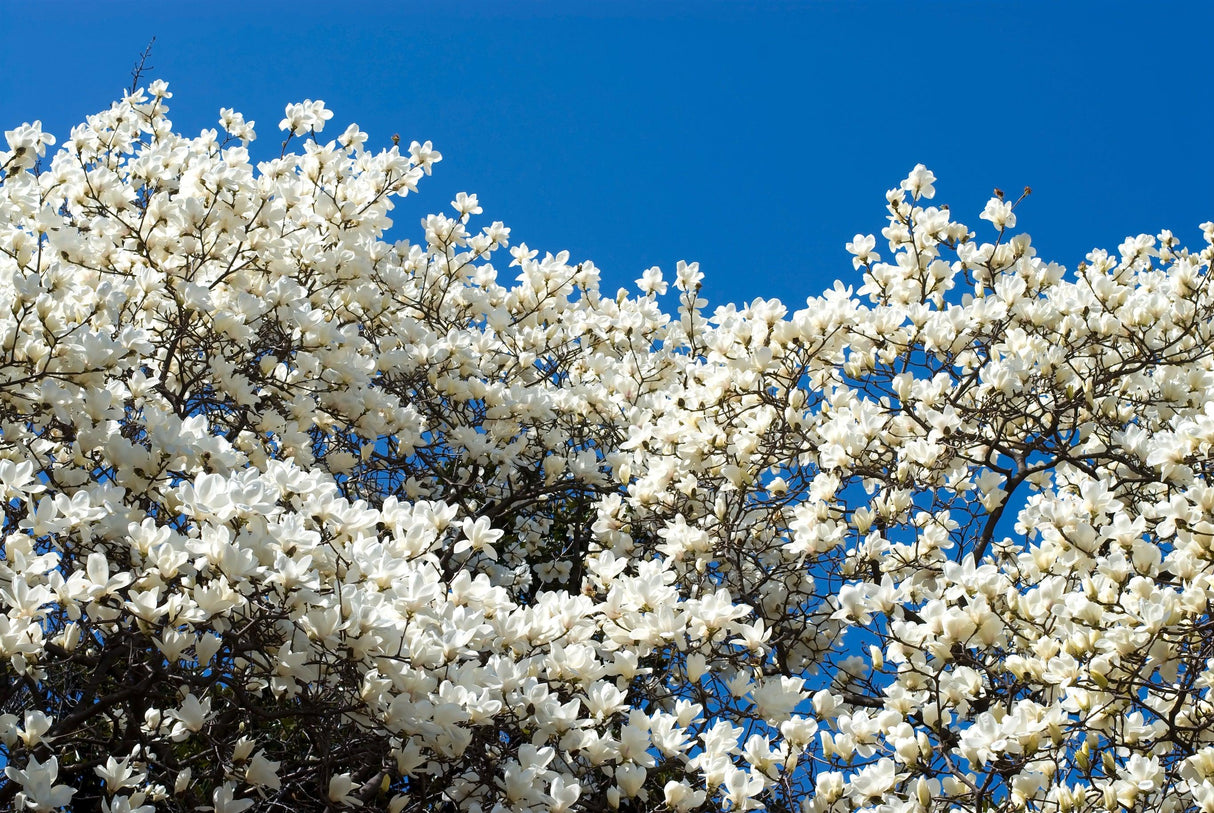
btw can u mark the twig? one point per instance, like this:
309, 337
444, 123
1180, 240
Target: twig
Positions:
142, 65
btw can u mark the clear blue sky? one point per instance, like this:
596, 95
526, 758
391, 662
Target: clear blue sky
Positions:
755, 137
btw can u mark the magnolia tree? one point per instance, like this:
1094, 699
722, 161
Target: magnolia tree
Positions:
299, 518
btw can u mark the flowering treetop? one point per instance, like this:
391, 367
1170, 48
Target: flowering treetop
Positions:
297, 517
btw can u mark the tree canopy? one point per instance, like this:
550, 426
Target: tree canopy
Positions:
298, 515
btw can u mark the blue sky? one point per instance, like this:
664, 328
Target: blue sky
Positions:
755, 137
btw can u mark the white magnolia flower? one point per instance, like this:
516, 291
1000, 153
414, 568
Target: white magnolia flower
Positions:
269, 477
38, 789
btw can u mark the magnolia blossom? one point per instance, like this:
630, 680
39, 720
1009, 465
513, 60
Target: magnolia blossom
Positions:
300, 511
39, 792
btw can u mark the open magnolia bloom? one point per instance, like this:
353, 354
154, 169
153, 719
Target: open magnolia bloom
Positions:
300, 518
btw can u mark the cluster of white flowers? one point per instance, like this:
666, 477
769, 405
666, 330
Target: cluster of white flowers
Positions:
297, 516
